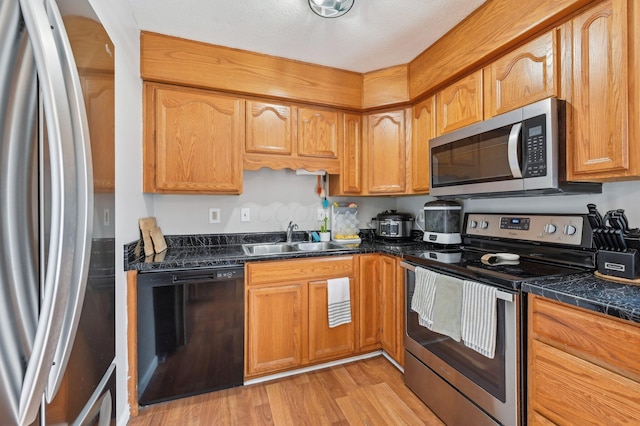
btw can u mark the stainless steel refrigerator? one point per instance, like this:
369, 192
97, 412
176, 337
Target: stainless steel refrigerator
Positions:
57, 332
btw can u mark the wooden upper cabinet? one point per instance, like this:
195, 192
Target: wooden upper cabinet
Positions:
386, 141
423, 128
192, 141
523, 76
283, 136
317, 133
349, 181
270, 128
459, 104
604, 69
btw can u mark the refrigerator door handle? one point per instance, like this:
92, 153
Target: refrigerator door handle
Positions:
55, 291
18, 303
84, 204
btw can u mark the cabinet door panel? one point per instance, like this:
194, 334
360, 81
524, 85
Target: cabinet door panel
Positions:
386, 157
388, 306
460, 104
523, 76
351, 176
274, 328
423, 129
269, 128
600, 143
590, 394
198, 138
369, 281
317, 133
325, 342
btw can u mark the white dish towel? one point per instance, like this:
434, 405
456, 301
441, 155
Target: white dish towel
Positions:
479, 323
424, 296
339, 301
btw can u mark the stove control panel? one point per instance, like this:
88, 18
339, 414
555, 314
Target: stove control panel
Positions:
559, 229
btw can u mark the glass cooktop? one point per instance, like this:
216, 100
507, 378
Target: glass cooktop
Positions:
467, 264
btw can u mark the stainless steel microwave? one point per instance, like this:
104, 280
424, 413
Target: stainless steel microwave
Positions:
518, 153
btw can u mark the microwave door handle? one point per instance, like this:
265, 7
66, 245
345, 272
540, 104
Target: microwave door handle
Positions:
512, 150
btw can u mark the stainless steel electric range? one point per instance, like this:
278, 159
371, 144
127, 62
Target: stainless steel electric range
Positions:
461, 385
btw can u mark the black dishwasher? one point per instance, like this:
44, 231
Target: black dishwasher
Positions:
190, 332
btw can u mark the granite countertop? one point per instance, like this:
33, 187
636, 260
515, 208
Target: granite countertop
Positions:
210, 251
587, 291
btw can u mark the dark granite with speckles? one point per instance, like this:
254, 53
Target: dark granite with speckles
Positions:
220, 250
590, 292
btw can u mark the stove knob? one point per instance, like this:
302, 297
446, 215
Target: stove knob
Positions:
484, 224
569, 230
473, 224
550, 228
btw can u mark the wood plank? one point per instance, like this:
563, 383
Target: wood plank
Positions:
493, 28
174, 60
370, 391
132, 341
385, 87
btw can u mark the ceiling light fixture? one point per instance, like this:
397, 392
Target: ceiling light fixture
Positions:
330, 8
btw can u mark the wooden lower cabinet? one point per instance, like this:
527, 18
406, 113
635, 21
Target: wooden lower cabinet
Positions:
583, 366
286, 314
324, 342
368, 266
392, 307
274, 327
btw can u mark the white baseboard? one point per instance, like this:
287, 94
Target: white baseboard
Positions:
312, 368
393, 361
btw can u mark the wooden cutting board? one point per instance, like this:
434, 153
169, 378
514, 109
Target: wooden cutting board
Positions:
159, 244
146, 224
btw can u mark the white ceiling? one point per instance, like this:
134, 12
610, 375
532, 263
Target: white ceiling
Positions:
374, 34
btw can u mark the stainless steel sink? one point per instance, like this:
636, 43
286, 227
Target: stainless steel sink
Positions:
264, 249
321, 246
267, 248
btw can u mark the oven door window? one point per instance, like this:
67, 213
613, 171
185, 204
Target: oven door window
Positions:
476, 159
487, 373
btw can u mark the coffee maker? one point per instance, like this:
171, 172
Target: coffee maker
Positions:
442, 222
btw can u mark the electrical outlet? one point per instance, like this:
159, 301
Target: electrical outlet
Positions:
244, 214
106, 217
322, 213
214, 215
421, 217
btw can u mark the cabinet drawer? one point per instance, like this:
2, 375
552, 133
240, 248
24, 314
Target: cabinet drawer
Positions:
563, 387
607, 341
297, 269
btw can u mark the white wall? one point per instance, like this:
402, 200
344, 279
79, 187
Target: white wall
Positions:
130, 203
617, 195
274, 198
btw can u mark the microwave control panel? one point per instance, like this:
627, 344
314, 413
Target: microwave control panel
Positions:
558, 229
534, 131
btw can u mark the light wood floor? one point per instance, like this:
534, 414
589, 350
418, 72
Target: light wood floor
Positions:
367, 392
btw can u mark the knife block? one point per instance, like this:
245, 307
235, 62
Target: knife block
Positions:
623, 264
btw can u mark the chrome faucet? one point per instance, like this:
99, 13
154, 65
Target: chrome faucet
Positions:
290, 228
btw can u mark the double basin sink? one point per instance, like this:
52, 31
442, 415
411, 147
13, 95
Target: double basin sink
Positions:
262, 249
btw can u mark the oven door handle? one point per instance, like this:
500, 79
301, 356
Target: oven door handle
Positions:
512, 150
502, 295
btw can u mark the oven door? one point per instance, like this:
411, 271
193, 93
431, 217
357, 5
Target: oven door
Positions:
451, 368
